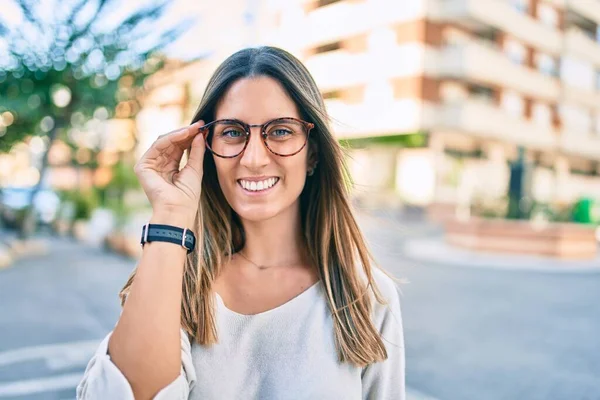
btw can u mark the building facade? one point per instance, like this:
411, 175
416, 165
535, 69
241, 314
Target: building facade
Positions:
473, 80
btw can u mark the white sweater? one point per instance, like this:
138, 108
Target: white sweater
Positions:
285, 353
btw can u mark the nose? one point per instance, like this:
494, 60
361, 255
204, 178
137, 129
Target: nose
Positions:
256, 154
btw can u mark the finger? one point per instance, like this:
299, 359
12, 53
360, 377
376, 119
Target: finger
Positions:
197, 154
184, 139
173, 143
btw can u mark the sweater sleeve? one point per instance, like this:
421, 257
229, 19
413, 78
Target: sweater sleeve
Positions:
103, 380
386, 379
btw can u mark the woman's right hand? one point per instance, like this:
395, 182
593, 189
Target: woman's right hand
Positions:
169, 189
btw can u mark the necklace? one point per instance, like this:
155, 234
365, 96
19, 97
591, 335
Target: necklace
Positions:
261, 267
252, 262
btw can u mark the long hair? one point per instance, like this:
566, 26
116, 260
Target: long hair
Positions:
334, 241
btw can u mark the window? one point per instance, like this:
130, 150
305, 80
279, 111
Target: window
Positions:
323, 3
576, 119
513, 103
453, 91
546, 64
597, 124
481, 93
548, 15
515, 51
328, 47
520, 5
542, 114
578, 73
332, 94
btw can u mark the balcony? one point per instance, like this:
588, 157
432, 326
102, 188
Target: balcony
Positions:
324, 24
587, 8
578, 143
580, 44
483, 64
375, 118
337, 69
354, 17
488, 121
582, 97
342, 68
480, 14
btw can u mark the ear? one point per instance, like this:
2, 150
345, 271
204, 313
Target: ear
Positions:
313, 155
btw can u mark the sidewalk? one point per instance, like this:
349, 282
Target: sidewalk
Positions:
13, 248
436, 250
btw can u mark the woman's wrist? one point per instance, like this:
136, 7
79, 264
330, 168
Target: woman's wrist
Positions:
178, 219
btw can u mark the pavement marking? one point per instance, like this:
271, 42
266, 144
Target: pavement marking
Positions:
56, 356
30, 386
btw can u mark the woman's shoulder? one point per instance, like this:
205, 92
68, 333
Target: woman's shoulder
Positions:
385, 284
390, 308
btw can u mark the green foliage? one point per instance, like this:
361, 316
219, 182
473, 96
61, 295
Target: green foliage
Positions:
583, 210
487, 207
124, 177
98, 67
123, 181
586, 211
83, 202
409, 140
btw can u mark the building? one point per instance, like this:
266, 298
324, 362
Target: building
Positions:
469, 80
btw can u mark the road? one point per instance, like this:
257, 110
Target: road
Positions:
471, 333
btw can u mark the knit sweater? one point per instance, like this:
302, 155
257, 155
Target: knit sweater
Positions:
288, 352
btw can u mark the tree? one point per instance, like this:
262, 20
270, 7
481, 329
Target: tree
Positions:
57, 73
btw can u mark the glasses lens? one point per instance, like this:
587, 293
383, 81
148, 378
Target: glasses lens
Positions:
285, 136
226, 139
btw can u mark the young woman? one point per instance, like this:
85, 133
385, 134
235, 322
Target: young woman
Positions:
279, 300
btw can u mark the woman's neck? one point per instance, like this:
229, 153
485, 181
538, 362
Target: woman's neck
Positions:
277, 241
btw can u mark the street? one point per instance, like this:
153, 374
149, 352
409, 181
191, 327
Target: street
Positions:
471, 333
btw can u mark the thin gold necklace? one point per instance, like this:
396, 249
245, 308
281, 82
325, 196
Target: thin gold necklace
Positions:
255, 264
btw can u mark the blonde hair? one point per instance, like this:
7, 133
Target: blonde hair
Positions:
334, 241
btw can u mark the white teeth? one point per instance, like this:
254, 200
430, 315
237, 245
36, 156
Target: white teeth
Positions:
257, 186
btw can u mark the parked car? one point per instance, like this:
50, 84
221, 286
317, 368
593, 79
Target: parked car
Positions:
14, 200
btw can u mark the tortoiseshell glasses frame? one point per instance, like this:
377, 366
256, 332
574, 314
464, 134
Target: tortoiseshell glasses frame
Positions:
307, 126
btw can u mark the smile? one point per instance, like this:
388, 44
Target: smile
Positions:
258, 186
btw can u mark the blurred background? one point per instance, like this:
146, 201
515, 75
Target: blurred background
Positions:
472, 132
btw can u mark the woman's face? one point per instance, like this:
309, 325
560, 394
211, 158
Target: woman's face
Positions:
256, 101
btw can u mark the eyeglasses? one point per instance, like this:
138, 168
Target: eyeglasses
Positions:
228, 138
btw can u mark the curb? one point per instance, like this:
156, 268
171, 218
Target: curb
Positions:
13, 249
438, 252
6, 258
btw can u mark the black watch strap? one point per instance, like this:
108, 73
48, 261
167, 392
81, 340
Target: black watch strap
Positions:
168, 233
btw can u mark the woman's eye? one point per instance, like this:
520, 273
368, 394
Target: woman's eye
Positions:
232, 133
280, 132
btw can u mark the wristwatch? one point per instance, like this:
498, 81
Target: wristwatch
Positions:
168, 233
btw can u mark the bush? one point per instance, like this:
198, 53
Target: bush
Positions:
488, 207
83, 203
586, 211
